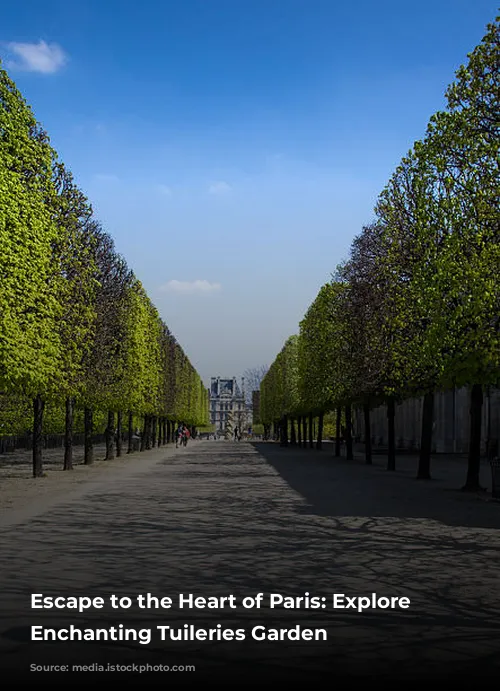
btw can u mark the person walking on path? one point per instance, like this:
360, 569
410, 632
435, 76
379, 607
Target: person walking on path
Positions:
178, 436
185, 435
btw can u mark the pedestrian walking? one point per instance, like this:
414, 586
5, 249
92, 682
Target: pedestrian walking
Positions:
178, 436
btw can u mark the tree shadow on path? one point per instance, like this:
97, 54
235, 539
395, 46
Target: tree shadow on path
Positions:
336, 487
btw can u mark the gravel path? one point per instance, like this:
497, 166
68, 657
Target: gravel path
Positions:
221, 518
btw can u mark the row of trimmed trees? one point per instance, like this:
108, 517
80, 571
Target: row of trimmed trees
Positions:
416, 307
77, 330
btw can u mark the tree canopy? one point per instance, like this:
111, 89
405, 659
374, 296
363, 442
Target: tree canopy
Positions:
415, 307
75, 322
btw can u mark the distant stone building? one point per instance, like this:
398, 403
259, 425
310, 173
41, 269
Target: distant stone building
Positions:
228, 406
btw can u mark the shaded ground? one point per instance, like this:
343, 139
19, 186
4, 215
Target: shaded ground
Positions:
223, 518
17, 485
335, 486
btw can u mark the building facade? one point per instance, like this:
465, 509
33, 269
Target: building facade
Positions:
228, 408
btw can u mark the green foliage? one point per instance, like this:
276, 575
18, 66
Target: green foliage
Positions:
75, 255
258, 429
330, 425
74, 320
206, 429
417, 305
280, 386
324, 351
30, 346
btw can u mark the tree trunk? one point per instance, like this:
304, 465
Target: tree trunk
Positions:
38, 407
368, 434
68, 435
391, 451
338, 432
149, 430
424, 459
130, 432
143, 435
119, 432
88, 421
293, 438
474, 460
319, 440
348, 433
154, 424
311, 432
285, 430
304, 431
169, 432
110, 436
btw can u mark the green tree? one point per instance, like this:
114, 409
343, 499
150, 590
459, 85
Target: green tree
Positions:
73, 214
465, 143
30, 309
105, 374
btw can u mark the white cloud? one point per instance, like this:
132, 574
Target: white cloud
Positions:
190, 287
46, 58
219, 187
164, 190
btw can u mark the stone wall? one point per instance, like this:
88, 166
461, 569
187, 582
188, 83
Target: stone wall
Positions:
451, 422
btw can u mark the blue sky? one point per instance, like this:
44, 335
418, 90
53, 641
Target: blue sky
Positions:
233, 148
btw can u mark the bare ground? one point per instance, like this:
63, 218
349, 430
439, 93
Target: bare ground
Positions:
220, 518
19, 489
